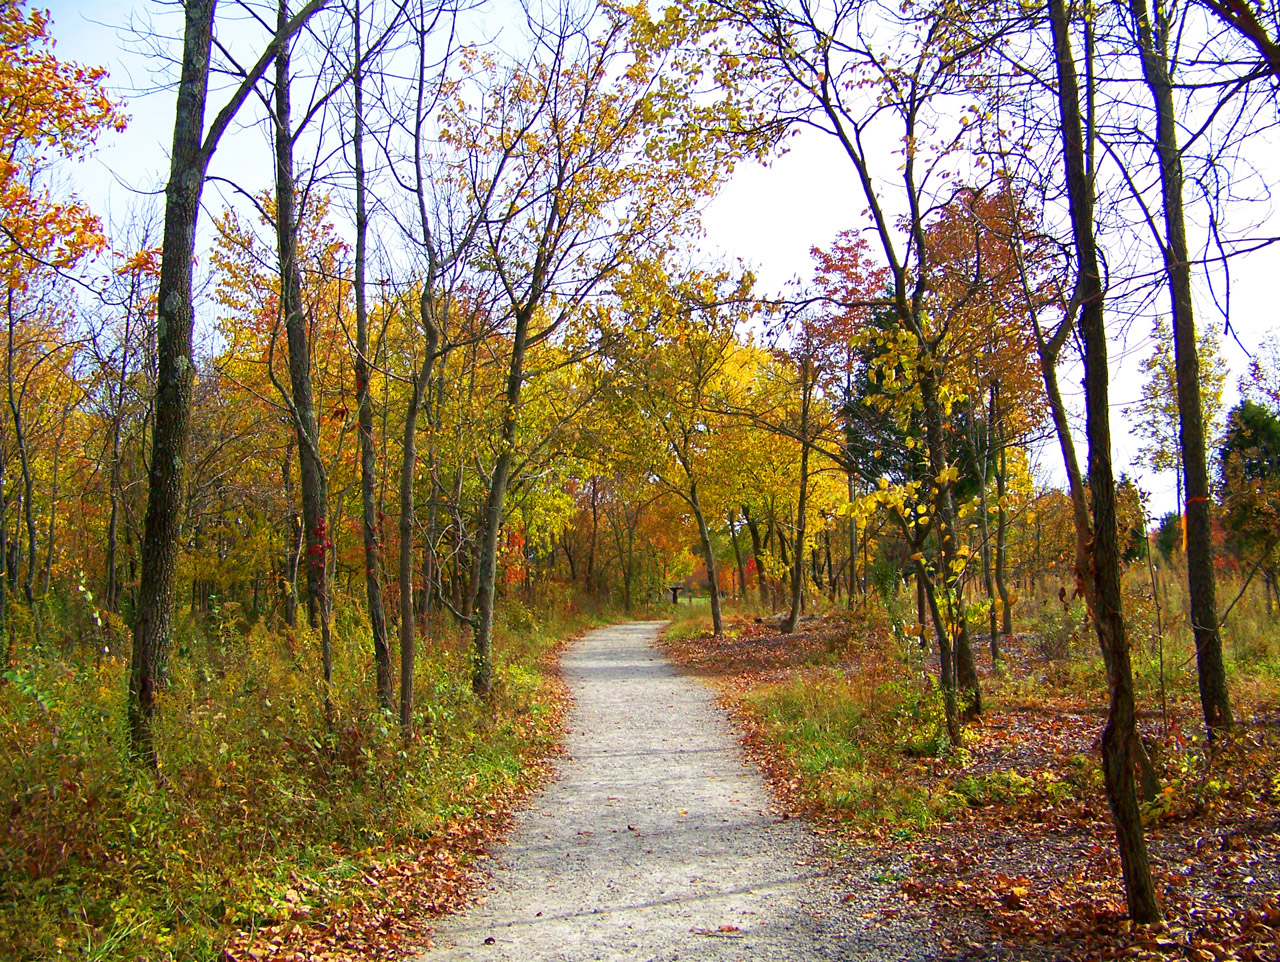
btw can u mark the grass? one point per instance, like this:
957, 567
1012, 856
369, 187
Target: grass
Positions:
848, 718
262, 812
1009, 831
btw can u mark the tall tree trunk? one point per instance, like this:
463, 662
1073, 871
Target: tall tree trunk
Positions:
6, 630
591, 547
753, 528
984, 525
802, 503
315, 493
709, 555
1002, 540
1119, 736
486, 576
175, 369
957, 622
112, 593
408, 464
293, 543
853, 540
368, 478
737, 553
1214, 697
152, 629
53, 500
24, 461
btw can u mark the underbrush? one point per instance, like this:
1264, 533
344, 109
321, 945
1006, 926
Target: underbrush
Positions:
851, 744
261, 809
1011, 830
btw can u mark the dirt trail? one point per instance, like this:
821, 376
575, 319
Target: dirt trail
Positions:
656, 842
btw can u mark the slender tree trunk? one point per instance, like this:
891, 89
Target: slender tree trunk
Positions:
311, 467
988, 580
833, 586
802, 503
591, 547
368, 478
922, 608
293, 544
573, 570
753, 528
1002, 541
1119, 736
486, 580
112, 599
957, 622
853, 542
737, 553
20, 439
709, 555
53, 501
1214, 697
408, 466
6, 631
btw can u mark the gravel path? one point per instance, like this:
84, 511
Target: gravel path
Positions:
656, 841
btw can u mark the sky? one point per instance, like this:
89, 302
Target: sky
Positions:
767, 216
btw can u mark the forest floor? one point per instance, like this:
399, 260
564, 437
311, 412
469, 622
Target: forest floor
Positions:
1004, 848
656, 841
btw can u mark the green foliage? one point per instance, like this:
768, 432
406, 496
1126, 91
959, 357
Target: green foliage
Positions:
1156, 412
851, 742
1061, 627
1008, 787
256, 796
1169, 534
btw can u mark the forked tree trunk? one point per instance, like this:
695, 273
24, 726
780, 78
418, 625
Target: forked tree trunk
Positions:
175, 380
175, 370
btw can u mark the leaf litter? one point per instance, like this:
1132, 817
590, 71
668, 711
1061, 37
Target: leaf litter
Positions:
1017, 857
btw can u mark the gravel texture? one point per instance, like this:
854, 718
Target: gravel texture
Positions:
657, 842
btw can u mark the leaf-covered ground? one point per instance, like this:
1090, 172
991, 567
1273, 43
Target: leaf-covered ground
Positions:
385, 908
1006, 845
384, 905
269, 833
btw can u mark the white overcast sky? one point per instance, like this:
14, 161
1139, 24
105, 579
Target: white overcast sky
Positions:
769, 217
